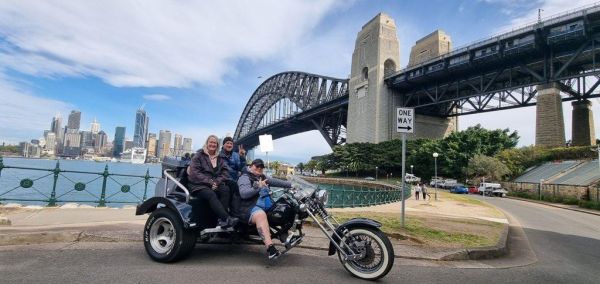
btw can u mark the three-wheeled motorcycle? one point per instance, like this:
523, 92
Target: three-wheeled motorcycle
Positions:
178, 221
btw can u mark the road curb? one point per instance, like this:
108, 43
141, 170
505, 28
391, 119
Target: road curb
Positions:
554, 205
496, 251
39, 238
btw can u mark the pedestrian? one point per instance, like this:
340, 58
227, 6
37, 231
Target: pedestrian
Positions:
424, 191
417, 191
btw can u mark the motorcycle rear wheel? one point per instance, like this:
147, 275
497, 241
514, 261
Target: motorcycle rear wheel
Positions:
165, 238
378, 256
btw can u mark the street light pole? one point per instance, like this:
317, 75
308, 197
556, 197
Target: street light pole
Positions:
411, 170
376, 172
435, 155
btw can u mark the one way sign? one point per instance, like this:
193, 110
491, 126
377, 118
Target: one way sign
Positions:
405, 118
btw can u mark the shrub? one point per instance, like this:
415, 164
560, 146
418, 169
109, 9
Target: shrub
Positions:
571, 201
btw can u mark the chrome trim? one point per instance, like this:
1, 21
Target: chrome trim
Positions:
187, 192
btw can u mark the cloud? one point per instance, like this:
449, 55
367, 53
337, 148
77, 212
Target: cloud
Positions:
549, 9
157, 97
157, 44
25, 115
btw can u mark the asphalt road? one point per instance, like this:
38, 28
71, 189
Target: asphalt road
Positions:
554, 245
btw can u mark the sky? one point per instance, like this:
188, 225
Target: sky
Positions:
193, 65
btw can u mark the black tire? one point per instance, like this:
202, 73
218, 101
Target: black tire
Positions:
361, 268
165, 238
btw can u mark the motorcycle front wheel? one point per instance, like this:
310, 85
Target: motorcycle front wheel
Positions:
377, 253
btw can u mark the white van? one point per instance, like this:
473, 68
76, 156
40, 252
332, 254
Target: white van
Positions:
492, 189
412, 178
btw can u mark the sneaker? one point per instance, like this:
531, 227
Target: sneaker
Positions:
226, 223
273, 252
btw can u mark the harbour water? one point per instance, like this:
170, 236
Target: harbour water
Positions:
78, 181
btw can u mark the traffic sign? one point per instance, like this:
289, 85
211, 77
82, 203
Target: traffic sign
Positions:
405, 120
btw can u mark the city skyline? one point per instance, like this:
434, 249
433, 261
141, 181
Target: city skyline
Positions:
78, 142
198, 87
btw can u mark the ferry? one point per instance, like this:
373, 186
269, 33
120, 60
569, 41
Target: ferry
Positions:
134, 156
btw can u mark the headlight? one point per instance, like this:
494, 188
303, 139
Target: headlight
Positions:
322, 196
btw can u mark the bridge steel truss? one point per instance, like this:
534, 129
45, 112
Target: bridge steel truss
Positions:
294, 102
506, 77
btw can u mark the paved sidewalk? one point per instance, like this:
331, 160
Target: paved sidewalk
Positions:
72, 223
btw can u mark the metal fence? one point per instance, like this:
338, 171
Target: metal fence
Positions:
359, 196
51, 186
100, 188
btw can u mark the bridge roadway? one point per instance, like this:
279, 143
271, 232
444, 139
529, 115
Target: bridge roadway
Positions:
554, 245
502, 72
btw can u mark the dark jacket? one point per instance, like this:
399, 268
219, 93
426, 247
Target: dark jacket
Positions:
248, 185
202, 173
235, 162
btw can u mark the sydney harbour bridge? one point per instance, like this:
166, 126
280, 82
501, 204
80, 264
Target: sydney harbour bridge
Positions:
542, 64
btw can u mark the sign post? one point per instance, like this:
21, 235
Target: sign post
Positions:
405, 123
266, 145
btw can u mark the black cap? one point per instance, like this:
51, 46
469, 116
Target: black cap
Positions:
227, 139
258, 163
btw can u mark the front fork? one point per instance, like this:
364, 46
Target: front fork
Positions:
332, 228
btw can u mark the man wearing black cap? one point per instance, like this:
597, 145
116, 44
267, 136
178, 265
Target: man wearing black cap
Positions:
250, 184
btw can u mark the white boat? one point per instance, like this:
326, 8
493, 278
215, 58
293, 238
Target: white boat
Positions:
134, 156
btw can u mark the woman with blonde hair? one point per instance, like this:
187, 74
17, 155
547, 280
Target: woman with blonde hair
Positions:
208, 174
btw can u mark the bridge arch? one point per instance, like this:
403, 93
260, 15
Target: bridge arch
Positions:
293, 102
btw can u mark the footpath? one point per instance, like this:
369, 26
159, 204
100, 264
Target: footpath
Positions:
79, 223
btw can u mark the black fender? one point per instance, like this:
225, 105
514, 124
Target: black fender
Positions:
183, 209
350, 224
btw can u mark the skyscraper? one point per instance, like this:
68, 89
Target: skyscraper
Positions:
100, 142
177, 145
164, 143
151, 144
50, 141
187, 145
119, 141
74, 120
56, 127
72, 143
140, 134
95, 127
86, 141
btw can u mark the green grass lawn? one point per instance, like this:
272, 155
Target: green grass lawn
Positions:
448, 232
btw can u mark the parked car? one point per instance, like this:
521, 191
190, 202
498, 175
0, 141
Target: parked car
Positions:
411, 178
435, 181
459, 188
370, 178
473, 190
449, 183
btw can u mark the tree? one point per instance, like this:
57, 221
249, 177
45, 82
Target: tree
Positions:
300, 166
488, 167
311, 165
274, 165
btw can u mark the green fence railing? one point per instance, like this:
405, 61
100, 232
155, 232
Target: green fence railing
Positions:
341, 196
56, 185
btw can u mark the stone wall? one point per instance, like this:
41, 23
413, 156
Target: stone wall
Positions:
554, 190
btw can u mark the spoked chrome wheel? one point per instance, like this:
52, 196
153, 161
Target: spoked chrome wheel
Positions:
162, 235
376, 254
